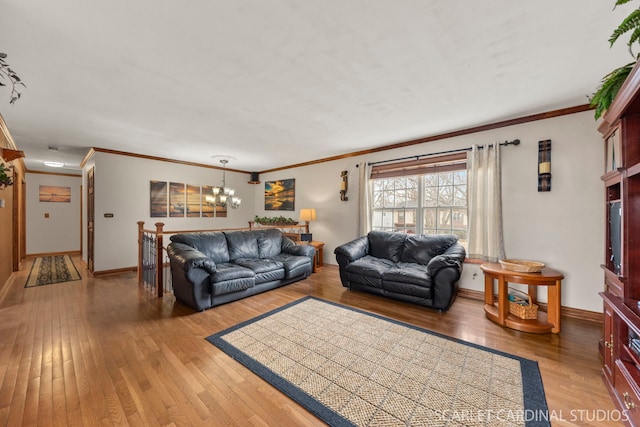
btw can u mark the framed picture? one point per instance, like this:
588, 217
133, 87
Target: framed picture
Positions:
176, 199
280, 195
158, 198
179, 200
50, 193
193, 201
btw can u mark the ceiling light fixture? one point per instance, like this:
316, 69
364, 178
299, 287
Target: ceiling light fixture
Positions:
53, 164
224, 196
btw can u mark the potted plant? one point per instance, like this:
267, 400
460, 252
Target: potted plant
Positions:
5, 180
612, 82
277, 221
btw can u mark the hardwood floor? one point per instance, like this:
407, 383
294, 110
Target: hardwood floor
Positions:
105, 351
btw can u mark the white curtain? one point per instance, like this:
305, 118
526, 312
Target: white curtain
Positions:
486, 240
364, 199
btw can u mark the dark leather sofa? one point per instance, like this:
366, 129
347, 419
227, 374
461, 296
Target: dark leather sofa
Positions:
209, 269
422, 269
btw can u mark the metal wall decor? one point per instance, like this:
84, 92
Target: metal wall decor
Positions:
544, 165
344, 185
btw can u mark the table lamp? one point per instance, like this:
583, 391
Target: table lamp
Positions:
307, 215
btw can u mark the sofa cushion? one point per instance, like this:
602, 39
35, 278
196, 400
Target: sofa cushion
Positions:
420, 248
368, 270
383, 244
270, 276
230, 278
212, 244
269, 243
231, 286
294, 265
242, 244
266, 270
409, 289
408, 273
228, 271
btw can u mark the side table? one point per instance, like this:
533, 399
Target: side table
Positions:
318, 260
499, 313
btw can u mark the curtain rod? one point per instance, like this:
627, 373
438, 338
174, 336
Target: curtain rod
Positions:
514, 142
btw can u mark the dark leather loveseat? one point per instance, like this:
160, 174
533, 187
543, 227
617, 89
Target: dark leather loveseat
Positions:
422, 268
209, 269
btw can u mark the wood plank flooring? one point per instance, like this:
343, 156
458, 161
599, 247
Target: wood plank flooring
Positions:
105, 351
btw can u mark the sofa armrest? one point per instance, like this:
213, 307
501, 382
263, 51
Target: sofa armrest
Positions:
188, 258
291, 248
453, 257
353, 250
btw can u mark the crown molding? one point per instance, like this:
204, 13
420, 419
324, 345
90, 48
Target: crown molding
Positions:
94, 150
74, 175
467, 131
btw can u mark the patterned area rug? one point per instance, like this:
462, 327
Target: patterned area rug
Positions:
349, 367
52, 269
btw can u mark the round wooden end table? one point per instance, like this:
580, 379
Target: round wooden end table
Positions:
498, 311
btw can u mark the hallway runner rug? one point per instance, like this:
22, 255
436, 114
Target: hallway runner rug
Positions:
47, 270
353, 368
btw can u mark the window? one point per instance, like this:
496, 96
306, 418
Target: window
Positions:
432, 201
395, 204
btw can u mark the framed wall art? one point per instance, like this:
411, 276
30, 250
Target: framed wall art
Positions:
280, 195
158, 199
176, 199
180, 200
193, 201
51, 193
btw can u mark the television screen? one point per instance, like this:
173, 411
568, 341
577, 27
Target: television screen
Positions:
615, 214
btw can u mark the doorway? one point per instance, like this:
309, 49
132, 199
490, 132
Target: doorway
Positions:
90, 218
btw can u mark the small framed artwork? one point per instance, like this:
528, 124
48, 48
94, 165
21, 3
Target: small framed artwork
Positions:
176, 199
193, 201
280, 195
158, 196
50, 193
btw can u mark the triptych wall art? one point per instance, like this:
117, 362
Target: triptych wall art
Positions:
179, 200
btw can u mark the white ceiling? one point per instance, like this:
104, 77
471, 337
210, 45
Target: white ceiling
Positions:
279, 82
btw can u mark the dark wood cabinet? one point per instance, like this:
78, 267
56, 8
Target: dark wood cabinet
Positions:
620, 343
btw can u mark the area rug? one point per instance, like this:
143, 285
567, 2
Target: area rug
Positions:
52, 269
353, 368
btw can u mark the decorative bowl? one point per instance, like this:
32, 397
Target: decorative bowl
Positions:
521, 266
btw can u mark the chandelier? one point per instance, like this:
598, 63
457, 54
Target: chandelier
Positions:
224, 196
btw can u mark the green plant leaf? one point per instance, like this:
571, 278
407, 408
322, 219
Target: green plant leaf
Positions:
611, 84
635, 36
631, 22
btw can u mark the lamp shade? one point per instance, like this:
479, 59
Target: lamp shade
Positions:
308, 214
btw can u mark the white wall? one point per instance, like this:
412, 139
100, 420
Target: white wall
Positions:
122, 189
563, 228
61, 231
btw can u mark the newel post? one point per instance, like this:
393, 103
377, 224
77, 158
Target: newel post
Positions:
140, 249
159, 259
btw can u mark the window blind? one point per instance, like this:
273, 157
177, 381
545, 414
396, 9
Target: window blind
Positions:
443, 163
